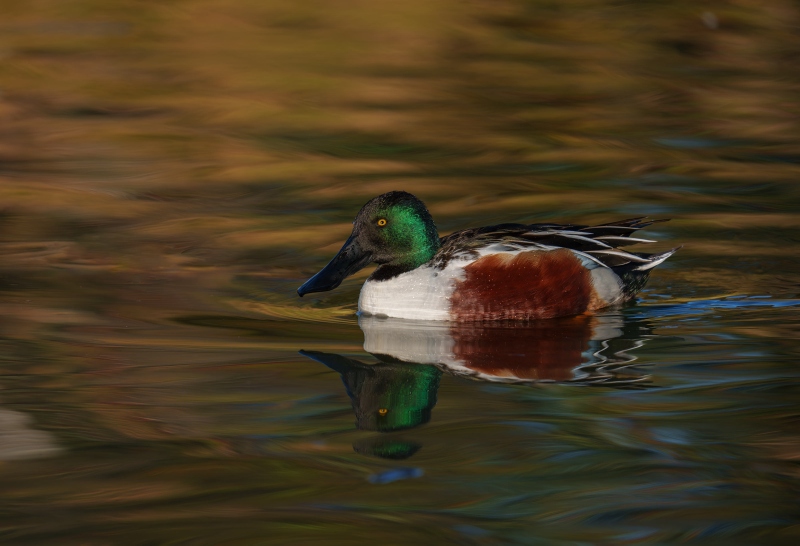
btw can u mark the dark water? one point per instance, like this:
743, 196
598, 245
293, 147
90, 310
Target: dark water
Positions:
171, 172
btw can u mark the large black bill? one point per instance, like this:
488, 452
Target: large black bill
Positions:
350, 259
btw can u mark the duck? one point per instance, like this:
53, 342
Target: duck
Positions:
503, 272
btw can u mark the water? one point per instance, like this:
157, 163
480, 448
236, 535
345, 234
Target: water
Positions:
169, 174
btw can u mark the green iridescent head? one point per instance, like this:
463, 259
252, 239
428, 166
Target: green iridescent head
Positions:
394, 230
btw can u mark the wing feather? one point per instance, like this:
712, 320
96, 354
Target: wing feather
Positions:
598, 243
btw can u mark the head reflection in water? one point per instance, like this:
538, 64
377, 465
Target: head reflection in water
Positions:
386, 397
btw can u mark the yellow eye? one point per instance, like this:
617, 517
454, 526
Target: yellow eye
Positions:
383, 411
382, 222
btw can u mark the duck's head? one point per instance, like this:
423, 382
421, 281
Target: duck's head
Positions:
393, 230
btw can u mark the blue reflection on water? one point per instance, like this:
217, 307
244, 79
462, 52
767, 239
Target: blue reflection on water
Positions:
395, 474
700, 307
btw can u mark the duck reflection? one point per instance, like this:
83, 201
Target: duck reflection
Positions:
399, 391
582, 349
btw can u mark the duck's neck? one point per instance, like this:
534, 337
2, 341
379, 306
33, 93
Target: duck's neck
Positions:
426, 245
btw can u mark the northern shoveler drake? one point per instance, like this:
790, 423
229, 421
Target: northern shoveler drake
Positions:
502, 272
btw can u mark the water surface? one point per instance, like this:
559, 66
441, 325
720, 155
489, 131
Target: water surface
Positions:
170, 173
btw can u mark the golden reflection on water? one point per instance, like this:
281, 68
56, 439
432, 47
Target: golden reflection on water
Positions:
170, 172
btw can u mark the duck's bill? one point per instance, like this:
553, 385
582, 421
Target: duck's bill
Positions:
350, 259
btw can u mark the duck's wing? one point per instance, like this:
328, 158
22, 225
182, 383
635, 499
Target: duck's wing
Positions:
599, 243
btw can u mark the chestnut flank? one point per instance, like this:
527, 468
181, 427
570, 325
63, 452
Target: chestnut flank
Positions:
529, 285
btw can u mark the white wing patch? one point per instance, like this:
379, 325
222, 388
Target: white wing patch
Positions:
607, 285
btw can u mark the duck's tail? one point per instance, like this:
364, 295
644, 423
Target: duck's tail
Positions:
655, 259
634, 275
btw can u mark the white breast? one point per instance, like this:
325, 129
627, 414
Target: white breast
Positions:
420, 294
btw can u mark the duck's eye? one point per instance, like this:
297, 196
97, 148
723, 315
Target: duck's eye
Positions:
382, 222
